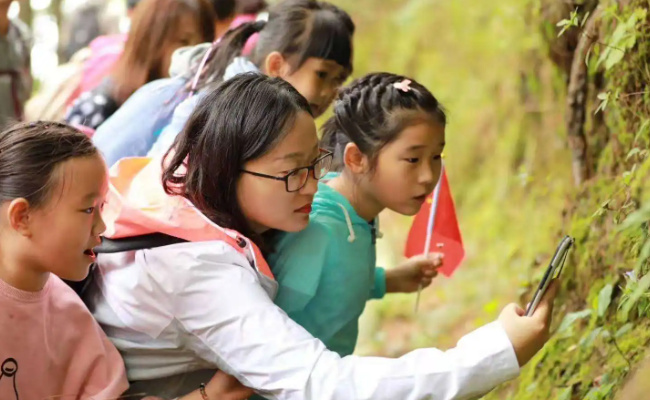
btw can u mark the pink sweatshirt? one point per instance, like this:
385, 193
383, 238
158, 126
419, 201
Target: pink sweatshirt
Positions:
52, 348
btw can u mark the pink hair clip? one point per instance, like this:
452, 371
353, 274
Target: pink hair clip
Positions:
404, 85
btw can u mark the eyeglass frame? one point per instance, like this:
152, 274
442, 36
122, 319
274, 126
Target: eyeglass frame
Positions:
310, 168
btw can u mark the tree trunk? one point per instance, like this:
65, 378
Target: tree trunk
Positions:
577, 100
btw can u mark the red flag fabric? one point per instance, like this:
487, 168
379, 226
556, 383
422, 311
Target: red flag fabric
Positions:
446, 237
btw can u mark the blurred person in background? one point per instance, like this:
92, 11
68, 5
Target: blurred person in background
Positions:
106, 50
159, 27
248, 10
103, 53
83, 23
225, 12
91, 65
83, 70
15, 75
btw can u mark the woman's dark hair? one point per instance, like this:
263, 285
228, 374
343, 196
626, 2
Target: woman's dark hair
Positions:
237, 121
29, 156
298, 29
371, 112
153, 24
223, 9
251, 6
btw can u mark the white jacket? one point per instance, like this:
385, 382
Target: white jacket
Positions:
176, 311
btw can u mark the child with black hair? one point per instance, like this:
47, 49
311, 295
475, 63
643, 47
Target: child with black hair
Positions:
308, 43
52, 187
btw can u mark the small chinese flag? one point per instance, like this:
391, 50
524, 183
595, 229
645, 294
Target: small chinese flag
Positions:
437, 221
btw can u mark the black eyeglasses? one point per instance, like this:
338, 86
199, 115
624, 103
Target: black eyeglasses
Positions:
297, 178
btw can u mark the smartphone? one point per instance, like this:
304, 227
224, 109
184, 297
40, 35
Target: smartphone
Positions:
552, 272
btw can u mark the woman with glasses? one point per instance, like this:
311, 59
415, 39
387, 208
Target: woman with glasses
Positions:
246, 165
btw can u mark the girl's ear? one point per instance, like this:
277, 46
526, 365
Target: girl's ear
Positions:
276, 66
355, 160
18, 214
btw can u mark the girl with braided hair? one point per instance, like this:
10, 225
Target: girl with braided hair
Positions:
387, 135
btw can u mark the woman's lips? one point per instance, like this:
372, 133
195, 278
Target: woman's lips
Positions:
306, 209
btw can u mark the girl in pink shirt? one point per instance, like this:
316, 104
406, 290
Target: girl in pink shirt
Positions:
52, 187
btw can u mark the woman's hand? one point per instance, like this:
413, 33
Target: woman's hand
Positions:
529, 334
221, 387
226, 387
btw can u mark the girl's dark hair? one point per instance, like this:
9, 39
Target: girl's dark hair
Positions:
251, 6
237, 121
29, 155
371, 112
223, 9
298, 29
153, 24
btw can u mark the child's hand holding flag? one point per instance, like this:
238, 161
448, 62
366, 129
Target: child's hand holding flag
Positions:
435, 229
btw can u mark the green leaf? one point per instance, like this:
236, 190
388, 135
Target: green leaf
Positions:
624, 329
601, 210
605, 299
599, 392
613, 58
588, 340
566, 27
571, 318
568, 23
632, 153
641, 289
587, 60
637, 218
644, 254
532, 387
565, 394
642, 130
604, 100
627, 176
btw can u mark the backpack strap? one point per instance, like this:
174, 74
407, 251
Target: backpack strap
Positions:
108, 246
141, 242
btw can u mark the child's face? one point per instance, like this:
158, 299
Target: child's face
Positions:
66, 228
318, 80
187, 35
408, 168
266, 204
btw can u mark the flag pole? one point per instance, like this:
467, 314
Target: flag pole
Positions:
432, 221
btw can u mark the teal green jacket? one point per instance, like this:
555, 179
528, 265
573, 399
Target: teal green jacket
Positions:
327, 272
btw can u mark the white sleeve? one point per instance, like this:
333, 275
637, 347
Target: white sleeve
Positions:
236, 326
